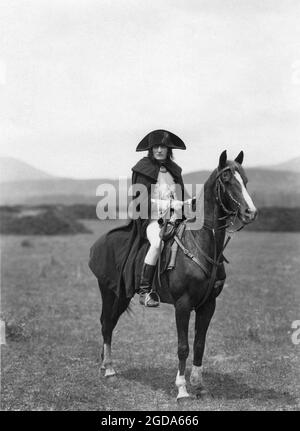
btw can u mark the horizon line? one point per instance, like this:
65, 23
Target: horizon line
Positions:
58, 177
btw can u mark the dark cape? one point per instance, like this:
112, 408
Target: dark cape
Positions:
113, 255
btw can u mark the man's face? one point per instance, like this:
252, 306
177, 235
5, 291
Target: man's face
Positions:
160, 152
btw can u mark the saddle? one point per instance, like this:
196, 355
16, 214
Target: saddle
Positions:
172, 233
168, 229
166, 261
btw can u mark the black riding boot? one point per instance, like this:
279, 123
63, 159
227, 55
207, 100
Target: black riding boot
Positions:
146, 298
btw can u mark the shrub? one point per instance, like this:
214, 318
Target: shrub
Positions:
48, 222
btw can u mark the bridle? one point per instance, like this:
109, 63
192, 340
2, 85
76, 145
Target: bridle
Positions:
220, 186
229, 213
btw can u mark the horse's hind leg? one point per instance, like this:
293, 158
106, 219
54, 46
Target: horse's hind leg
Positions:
107, 327
112, 308
182, 313
203, 318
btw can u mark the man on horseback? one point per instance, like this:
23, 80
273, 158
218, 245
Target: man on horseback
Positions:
198, 276
160, 174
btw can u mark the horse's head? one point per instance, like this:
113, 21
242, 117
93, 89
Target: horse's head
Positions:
231, 189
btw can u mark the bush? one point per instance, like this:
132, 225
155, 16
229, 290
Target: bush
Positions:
48, 222
275, 219
81, 211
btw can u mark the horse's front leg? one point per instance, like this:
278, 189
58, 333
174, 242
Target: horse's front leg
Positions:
182, 313
107, 364
203, 318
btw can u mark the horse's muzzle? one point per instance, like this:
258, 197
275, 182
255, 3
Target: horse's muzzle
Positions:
248, 216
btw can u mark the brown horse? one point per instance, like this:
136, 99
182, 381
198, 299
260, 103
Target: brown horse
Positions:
192, 283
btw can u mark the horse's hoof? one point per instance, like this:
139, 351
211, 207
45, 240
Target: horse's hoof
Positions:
111, 379
204, 395
110, 374
183, 400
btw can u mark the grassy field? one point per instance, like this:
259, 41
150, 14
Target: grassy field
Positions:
51, 305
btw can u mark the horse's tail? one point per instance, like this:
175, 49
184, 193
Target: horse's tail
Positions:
129, 310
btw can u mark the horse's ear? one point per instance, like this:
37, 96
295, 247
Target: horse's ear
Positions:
223, 160
239, 159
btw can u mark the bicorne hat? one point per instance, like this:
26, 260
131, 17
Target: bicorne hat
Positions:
160, 137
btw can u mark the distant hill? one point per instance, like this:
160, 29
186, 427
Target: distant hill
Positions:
52, 191
268, 187
292, 165
15, 170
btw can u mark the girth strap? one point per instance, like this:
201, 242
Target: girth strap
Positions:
215, 262
191, 256
213, 275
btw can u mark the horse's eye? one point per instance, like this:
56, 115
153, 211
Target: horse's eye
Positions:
226, 176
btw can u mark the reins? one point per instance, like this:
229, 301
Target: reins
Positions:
216, 260
220, 185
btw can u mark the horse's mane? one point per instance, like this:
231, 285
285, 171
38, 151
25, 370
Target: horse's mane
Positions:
234, 166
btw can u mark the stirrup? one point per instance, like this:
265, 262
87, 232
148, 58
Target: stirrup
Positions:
148, 297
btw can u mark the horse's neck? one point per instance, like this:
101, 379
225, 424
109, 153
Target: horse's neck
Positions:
212, 213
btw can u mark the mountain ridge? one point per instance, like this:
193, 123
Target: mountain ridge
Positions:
268, 186
12, 170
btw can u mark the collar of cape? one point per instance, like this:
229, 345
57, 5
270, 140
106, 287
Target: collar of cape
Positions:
147, 167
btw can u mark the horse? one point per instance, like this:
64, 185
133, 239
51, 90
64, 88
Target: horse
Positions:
192, 281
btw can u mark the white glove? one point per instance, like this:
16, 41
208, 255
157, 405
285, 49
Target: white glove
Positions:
161, 204
190, 201
176, 205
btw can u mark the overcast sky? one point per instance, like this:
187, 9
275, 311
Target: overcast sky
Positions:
82, 81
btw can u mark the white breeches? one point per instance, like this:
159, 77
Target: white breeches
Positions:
153, 230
